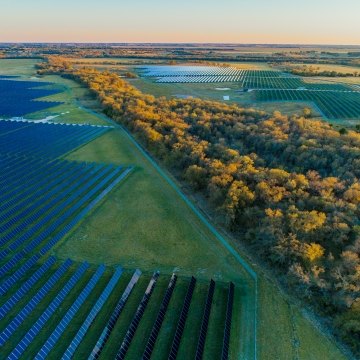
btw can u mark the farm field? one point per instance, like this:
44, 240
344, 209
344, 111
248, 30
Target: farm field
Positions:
113, 233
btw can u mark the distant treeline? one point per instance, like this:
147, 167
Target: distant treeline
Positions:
316, 71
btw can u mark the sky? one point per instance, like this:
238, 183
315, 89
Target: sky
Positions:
211, 21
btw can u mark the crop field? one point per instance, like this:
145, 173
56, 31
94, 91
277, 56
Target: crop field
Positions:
333, 105
17, 97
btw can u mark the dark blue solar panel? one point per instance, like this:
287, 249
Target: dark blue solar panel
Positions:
69, 353
47, 314
17, 97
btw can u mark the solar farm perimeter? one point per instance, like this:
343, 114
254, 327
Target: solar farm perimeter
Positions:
66, 309
334, 101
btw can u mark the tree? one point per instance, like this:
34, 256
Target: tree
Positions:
307, 113
196, 176
305, 221
239, 196
313, 252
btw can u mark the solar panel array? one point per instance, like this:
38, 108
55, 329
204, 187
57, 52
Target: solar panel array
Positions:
332, 104
17, 98
68, 280
65, 321
213, 74
33, 303
26, 287
45, 140
47, 314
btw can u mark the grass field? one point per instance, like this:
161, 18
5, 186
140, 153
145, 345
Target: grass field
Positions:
145, 223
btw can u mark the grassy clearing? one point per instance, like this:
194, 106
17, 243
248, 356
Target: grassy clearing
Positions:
71, 111
285, 334
144, 223
18, 67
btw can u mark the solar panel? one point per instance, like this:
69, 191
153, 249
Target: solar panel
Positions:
34, 301
182, 319
65, 321
48, 312
69, 353
26, 287
159, 319
227, 328
114, 317
8, 283
137, 317
205, 322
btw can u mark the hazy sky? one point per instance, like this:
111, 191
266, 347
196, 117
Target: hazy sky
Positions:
239, 21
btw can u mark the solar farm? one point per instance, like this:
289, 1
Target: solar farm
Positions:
66, 309
334, 101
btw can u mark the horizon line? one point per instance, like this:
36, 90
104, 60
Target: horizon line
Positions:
176, 43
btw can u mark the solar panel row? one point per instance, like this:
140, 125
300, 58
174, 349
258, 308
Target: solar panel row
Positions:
69, 353
114, 317
181, 323
205, 322
159, 319
137, 317
228, 320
